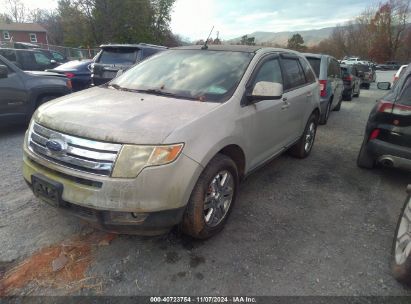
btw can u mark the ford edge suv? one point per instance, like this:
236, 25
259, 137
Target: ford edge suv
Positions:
168, 141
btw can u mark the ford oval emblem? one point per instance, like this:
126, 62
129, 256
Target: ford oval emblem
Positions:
55, 145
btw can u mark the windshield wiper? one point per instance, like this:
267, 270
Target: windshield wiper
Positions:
117, 87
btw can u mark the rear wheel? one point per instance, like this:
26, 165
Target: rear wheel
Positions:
305, 144
401, 247
365, 160
338, 107
326, 115
212, 198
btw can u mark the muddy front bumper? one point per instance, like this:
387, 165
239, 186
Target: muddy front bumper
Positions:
149, 204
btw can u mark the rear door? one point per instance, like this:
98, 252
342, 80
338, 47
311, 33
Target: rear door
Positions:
296, 94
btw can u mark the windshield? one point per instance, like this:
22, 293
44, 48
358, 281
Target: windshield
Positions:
124, 56
193, 74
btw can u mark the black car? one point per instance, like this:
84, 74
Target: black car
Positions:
115, 57
367, 75
387, 139
22, 92
28, 60
78, 71
352, 82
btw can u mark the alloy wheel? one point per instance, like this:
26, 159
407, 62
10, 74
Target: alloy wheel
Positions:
218, 198
310, 136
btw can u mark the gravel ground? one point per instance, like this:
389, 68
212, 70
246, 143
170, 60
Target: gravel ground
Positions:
319, 226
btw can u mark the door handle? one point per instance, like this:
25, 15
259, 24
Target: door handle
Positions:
310, 94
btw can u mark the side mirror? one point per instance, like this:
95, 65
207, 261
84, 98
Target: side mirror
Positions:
4, 71
384, 85
265, 90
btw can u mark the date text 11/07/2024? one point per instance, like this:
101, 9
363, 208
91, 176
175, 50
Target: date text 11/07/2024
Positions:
203, 299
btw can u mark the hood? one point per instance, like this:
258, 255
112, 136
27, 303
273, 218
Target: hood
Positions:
41, 73
117, 116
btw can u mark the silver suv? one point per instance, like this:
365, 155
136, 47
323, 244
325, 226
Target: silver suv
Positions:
168, 141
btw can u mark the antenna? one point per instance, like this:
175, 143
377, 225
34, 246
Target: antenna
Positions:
205, 46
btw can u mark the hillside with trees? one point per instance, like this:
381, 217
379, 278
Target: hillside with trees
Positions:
93, 22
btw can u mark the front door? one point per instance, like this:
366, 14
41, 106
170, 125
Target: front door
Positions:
265, 121
12, 94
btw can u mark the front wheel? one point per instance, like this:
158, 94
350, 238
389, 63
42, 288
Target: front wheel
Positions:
305, 144
212, 198
401, 247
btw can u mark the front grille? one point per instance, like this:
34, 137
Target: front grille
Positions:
78, 153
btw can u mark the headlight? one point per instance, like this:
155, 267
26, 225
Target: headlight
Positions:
132, 159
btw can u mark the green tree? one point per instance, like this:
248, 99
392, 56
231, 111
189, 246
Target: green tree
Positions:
296, 42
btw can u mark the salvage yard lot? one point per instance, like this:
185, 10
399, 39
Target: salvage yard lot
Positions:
318, 226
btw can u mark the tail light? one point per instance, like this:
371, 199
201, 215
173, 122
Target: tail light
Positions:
395, 79
69, 75
323, 88
374, 134
395, 108
348, 78
69, 85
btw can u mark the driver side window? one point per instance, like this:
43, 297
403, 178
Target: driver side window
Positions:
270, 71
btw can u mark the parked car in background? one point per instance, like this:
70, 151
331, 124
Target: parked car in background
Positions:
399, 73
387, 138
388, 66
28, 60
150, 171
352, 60
115, 57
328, 71
401, 247
367, 75
78, 71
352, 82
22, 92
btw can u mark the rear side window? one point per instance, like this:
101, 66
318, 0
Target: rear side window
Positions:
405, 96
118, 56
309, 75
315, 64
293, 74
270, 71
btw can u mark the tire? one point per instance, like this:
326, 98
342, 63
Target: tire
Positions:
367, 86
358, 93
401, 265
365, 160
324, 118
338, 107
195, 217
300, 149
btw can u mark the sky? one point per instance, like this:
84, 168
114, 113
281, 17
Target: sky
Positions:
193, 19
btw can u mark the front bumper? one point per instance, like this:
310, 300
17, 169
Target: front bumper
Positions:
158, 194
382, 151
